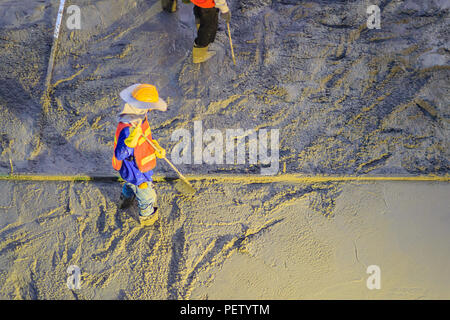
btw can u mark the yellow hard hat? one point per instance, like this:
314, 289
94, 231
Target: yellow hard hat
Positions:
146, 93
143, 96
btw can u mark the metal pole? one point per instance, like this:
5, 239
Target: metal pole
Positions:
54, 45
231, 43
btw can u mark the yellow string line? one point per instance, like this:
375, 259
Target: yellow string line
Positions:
295, 178
232, 178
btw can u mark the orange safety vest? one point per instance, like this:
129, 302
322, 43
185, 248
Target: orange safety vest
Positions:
204, 3
144, 153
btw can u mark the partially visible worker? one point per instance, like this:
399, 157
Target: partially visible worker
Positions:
206, 14
207, 20
133, 156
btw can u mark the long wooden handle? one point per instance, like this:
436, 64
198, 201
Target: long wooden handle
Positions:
167, 160
231, 43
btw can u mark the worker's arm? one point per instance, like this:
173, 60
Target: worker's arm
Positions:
222, 6
225, 11
122, 150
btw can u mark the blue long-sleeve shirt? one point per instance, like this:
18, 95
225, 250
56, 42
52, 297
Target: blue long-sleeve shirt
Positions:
130, 171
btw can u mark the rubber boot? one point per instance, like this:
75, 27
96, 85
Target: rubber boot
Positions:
169, 5
200, 55
174, 6
149, 220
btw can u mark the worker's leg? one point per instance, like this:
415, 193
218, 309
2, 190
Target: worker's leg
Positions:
127, 196
146, 199
208, 20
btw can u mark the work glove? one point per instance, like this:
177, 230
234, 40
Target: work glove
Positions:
186, 1
227, 16
159, 151
133, 138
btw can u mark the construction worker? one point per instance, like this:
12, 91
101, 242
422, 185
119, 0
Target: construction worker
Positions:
206, 14
134, 157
